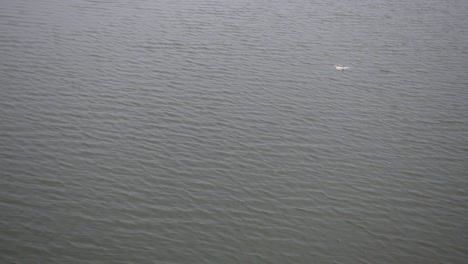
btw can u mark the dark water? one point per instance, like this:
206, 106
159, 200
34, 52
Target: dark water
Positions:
220, 132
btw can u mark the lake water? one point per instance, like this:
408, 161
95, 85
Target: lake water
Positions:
216, 131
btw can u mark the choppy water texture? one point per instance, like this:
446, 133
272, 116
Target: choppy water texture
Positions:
220, 132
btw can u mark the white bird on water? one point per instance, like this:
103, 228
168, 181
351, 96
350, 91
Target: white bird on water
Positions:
341, 67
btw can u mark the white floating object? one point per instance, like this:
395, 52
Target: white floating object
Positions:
341, 67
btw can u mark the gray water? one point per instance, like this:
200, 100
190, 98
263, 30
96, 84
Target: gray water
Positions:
208, 131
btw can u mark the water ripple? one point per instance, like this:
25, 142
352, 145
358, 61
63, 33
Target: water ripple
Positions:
220, 132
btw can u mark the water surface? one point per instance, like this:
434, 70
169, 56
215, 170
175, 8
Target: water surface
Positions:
219, 131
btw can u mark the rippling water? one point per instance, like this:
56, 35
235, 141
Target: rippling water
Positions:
219, 131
